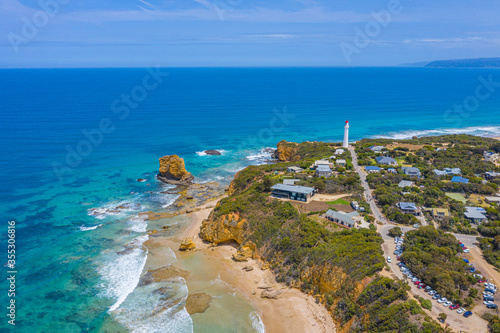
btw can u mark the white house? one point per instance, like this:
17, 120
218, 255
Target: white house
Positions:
490, 156
376, 149
323, 171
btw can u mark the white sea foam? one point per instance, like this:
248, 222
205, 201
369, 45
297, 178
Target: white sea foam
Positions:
138, 224
202, 153
487, 131
83, 228
257, 323
261, 157
156, 308
115, 209
121, 273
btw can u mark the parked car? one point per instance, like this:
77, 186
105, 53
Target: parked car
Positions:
432, 292
416, 225
467, 314
389, 259
490, 285
454, 307
436, 296
461, 310
466, 251
481, 281
487, 302
428, 288
488, 298
466, 261
492, 306
488, 290
447, 304
442, 300
421, 286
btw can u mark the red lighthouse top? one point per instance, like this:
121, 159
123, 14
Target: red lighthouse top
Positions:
347, 121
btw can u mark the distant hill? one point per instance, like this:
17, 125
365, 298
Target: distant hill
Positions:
478, 62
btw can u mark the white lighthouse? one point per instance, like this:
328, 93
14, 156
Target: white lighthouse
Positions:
346, 134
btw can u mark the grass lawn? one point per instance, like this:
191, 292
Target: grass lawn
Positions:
338, 202
457, 196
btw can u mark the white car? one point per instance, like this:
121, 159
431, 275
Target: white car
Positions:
389, 259
460, 310
466, 251
491, 285
442, 300
487, 302
432, 292
447, 304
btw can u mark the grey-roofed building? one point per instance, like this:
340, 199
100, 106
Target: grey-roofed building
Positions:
491, 174
392, 170
323, 170
376, 149
294, 169
408, 208
344, 219
411, 171
341, 162
293, 192
448, 172
290, 181
476, 214
385, 160
406, 183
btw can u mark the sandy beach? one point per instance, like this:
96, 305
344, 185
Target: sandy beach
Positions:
292, 311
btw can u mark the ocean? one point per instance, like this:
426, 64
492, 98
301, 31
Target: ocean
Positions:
76, 141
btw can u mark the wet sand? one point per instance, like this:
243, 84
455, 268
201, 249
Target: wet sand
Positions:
292, 311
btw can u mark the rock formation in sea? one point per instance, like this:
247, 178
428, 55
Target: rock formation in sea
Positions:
212, 152
187, 244
173, 171
198, 303
286, 151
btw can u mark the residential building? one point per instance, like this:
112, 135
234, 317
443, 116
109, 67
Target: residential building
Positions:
342, 162
321, 162
406, 183
448, 172
323, 171
491, 174
492, 200
376, 149
411, 171
458, 179
372, 169
290, 181
408, 208
385, 160
339, 151
438, 212
355, 205
344, 219
392, 170
490, 156
476, 214
294, 169
293, 192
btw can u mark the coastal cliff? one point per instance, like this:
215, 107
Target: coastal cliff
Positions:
173, 171
286, 151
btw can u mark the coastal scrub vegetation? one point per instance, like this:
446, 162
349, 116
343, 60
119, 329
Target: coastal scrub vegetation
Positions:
337, 266
432, 255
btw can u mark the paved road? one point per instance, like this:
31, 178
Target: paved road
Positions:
457, 322
367, 192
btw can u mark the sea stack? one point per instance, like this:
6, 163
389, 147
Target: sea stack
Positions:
173, 171
346, 135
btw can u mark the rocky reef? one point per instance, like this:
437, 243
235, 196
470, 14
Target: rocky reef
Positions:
173, 171
197, 303
286, 151
187, 244
212, 152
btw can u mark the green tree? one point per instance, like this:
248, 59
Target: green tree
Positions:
395, 232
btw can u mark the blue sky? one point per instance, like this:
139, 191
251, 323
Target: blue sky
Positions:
135, 33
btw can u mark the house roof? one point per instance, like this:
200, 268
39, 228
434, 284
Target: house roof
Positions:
376, 148
295, 168
373, 168
411, 170
407, 206
493, 199
324, 168
436, 211
385, 160
448, 171
293, 188
405, 183
458, 179
340, 161
290, 181
346, 217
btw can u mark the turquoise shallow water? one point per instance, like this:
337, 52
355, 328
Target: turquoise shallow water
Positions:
70, 269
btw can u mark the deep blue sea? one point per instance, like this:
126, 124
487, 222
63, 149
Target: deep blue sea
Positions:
75, 141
